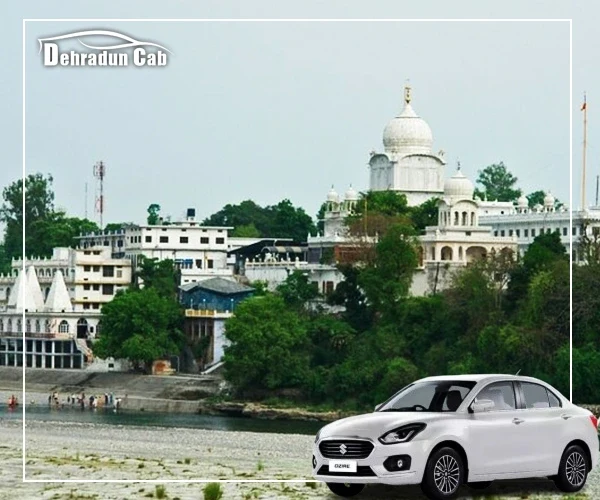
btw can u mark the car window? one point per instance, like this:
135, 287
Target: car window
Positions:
502, 394
461, 389
554, 401
421, 395
536, 396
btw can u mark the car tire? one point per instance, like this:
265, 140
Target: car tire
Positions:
444, 474
480, 485
573, 470
346, 489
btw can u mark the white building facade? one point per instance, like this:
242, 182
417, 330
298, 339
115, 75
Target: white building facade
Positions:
199, 252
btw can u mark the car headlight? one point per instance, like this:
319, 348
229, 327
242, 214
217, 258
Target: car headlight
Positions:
318, 435
402, 434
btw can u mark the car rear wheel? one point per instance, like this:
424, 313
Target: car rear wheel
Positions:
573, 469
480, 485
444, 474
345, 489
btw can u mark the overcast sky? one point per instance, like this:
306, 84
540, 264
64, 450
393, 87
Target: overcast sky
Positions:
267, 111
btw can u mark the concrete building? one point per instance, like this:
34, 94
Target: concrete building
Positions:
208, 304
54, 334
92, 277
199, 252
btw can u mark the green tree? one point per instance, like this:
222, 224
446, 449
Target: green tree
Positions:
160, 275
116, 226
498, 183
246, 231
297, 289
287, 221
425, 214
57, 230
153, 214
39, 204
387, 278
140, 325
269, 346
537, 198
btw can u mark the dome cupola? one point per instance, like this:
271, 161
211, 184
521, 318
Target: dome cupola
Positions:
459, 186
407, 133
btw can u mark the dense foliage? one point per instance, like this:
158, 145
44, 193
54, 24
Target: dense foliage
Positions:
498, 315
277, 221
45, 226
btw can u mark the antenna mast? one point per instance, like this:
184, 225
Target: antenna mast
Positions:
584, 109
99, 173
85, 201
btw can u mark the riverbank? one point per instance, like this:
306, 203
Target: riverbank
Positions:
67, 451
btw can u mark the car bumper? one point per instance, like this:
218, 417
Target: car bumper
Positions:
418, 451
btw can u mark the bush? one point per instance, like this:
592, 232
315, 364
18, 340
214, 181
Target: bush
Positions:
213, 491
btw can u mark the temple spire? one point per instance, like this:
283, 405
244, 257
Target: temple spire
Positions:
407, 93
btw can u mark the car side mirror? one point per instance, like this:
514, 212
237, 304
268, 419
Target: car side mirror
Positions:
482, 405
378, 406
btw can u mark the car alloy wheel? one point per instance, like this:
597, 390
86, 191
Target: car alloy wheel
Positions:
443, 475
446, 474
573, 470
576, 468
346, 489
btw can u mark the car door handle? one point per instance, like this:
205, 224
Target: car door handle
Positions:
517, 421
564, 416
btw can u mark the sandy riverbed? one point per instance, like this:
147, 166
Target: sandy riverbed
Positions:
90, 451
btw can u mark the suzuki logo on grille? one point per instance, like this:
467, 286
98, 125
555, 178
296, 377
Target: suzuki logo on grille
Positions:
343, 449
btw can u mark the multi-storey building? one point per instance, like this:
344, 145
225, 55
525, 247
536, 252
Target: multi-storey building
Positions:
199, 252
92, 277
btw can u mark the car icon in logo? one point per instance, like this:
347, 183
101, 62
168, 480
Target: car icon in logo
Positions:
443, 432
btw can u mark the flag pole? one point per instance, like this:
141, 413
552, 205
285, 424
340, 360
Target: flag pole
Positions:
584, 109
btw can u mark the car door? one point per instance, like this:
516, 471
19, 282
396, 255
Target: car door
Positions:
547, 426
496, 436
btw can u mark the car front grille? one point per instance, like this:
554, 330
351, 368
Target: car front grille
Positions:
345, 448
361, 471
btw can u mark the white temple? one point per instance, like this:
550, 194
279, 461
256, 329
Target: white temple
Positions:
408, 164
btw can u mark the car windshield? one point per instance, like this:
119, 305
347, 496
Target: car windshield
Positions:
436, 396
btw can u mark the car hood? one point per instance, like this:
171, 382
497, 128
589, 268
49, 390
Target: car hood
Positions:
374, 425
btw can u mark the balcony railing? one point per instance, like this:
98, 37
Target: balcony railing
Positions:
32, 335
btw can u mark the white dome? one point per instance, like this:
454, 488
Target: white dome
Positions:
332, 195
351, 194
523, 202
459, 186
549, 200
407, 132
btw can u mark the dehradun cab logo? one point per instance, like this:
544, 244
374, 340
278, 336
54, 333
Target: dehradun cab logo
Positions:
127, 50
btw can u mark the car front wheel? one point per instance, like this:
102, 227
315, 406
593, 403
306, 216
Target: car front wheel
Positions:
444, 474
345, 489
573, 470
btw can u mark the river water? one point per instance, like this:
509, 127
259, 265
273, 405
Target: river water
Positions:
143, 418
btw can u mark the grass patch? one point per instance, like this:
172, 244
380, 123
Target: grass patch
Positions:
213, 491
260, 466
187, 461
160, 491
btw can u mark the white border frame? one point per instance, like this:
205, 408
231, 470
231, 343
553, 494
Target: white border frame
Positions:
304, 20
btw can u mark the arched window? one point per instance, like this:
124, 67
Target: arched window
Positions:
38, 327
19, 326
7, 292
27, 326
472, 218
1, 325
9, 326
82, 328
63, 327
47, 326
456, 218
464, 218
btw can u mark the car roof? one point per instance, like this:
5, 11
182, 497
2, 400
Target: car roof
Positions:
478, 378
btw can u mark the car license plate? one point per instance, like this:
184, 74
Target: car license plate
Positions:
342, 466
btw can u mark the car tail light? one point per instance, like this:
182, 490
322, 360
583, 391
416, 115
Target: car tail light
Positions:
594, 420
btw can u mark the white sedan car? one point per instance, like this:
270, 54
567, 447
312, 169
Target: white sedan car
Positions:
442, 432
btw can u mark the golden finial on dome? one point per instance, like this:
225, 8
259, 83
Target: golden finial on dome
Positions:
407, 93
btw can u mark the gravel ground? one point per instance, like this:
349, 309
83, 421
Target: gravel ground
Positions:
72, 451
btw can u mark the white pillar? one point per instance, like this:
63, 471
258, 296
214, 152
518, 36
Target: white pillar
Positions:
52, 358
